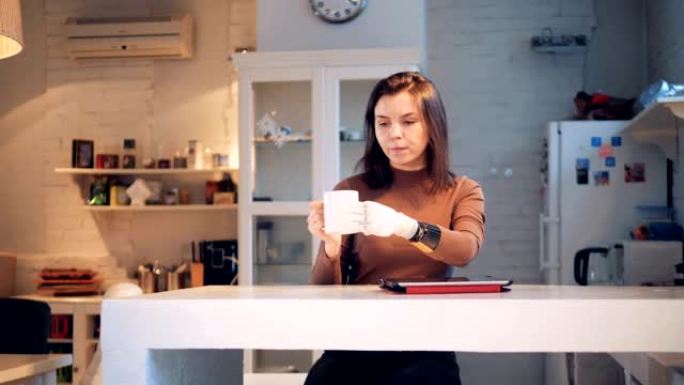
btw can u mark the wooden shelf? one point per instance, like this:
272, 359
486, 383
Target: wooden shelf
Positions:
657, 124
140, 171
166, 208
560, 49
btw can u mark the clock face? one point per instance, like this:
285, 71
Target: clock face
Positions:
337, 11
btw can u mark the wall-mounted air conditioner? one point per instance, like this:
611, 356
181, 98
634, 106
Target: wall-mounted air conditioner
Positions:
154, 37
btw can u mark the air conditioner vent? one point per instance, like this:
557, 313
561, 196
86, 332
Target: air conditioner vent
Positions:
158, 37
121, 20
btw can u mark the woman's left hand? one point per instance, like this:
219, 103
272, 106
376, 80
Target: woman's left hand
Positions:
384, 221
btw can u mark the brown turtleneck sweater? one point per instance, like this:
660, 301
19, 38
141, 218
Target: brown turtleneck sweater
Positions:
458, 211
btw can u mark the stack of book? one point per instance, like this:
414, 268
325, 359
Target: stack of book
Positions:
66, 282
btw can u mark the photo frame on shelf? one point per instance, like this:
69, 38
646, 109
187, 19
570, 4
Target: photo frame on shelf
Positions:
82, 153
220, 261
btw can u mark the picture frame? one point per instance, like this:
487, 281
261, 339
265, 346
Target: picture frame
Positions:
82, 153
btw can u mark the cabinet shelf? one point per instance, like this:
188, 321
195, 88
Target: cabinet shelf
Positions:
157, 208
279, 208
83, 310
268, 141
140, 171
657, 124
296, 264
293, 140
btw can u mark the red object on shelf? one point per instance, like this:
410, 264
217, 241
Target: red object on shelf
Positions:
60, 326
599, 98
441, 289
209, 189
107, 161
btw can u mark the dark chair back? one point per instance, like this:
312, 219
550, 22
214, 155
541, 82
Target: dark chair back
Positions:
24, 326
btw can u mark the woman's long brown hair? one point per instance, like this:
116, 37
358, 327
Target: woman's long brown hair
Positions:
377, 172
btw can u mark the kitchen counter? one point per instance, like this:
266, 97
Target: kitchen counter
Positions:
527, 319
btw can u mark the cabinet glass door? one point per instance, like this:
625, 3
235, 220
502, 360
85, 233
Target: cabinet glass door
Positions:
348, 89
282, 140
282, 256
282, 250
353, 99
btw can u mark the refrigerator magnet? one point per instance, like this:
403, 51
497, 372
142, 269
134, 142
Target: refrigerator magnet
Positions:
582, 170
582, 176
616, 141
635, 173
601, 178
595, 141
610, 161
582, 163
605, 150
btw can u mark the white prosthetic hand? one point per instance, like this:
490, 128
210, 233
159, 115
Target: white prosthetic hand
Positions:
384, 221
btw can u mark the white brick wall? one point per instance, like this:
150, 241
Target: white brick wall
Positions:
664, 37
498, 94
165, 102
666, 61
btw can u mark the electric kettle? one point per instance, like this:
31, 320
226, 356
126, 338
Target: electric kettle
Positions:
599, 266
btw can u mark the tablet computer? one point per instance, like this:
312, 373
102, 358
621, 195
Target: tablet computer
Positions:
445, 285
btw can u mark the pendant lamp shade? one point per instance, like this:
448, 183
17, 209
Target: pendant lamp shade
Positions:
11, 39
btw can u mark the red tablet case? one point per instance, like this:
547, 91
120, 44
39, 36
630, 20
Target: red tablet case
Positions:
453, 289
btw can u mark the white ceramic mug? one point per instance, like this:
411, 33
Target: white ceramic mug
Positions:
335, 203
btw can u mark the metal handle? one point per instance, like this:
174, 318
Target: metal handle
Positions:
543, 263
542, 243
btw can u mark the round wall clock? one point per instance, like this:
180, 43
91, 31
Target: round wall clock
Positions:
337, 11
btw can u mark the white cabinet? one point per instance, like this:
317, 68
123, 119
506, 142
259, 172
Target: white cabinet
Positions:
83, 335
318, 100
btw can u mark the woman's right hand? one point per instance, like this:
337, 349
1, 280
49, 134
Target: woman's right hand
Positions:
315, 221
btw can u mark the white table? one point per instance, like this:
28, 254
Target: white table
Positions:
31, 369
527, 319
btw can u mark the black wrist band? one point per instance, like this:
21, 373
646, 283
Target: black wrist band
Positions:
427, 236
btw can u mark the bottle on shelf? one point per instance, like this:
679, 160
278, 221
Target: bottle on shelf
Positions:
179, 161
163, 158
227, 185
128, 159
195, 154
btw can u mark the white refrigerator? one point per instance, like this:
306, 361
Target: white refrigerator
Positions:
597, 184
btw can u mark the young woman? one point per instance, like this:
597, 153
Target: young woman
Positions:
416, 220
